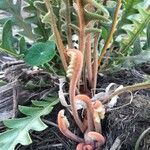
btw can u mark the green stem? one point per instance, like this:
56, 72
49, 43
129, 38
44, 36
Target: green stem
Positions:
132, 88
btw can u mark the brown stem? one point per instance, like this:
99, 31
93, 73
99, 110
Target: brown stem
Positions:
68, 22
77, 68
95, 138
83, 146
88, 59
89, 110
63, 125
98, 114
59, 43
95, 64
110, 36
135, 87
80, 11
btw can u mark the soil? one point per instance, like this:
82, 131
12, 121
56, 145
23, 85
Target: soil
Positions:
122, 125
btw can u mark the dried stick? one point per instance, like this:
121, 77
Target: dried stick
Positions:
135, 87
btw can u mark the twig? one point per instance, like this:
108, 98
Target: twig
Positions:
110, 36
120, 107
50, 123
131, 88
140, 138
51, 146
116, 144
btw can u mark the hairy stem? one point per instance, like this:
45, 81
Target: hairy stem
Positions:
89, 110
68, 22
80, 10
59, 43
88, 59
77, 66
95, 58
110, 36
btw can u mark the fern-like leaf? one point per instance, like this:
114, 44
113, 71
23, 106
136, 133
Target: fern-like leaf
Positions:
134, 30
128, 10
18, 129
34, 9
14, 10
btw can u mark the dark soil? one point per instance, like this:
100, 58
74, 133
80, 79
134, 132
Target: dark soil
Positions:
123, 122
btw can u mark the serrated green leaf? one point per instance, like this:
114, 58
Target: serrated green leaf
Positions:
40, 53
46, 19
39, 125
29, 110
128, 10
16, 123
134, 30
19, 129
4, 136
40, 6
40, 103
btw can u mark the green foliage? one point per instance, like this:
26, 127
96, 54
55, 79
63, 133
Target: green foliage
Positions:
130, 36
7, 36
147, 43
15, 16
7, 40
134, 30
18, 129
129, 9
34, 7
40, 53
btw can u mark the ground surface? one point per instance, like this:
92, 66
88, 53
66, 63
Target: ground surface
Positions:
124, 123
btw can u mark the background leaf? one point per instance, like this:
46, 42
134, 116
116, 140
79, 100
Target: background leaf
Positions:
18, 129
40, 53
7, 36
